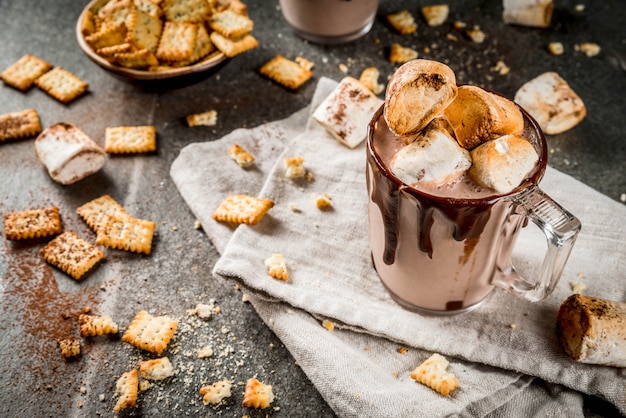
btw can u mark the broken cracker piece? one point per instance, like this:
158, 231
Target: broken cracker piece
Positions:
285, 72
242, 209
150, 333
277, 267
127, 387
93, 325
72, 254
432, 373
34, 223
208, 118
257, 395
323, 201
294, 168
216, 392
242, 157
70, 346
399, 54
369, 78
402, 21
435, 14
156, 369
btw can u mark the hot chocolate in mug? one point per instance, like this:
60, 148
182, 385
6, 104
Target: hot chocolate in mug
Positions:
444, 255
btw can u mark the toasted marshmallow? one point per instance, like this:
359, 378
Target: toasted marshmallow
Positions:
533, 13
552, 102
478, 116
503, 163
68, 153
417, 92
433, 159
347, 111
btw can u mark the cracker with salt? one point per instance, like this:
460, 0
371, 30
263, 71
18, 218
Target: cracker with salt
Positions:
34, 223
231, 24
203, 47
117, 12
235, 46
94, 211
69, 346
150, 333
178, 41
23, 73
286, 72
402, 21
242, 209
93, 325
108, 35
127, 386
72, 254
189, 11
144, 30
150, 7
257, 395
242, 157
399, 54
432, 373
62, 84
109, 52
216, 392
140, 59
208, 118
18, 125
369, 78
130, 139
125, 233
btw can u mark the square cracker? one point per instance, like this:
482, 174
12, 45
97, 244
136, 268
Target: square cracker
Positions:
150, 333
144, 30
178, 41
130, 139
231, 47
34, 223
136, 59
61, 84
286, 72
94, 211
22, 124
242, 209
190, 11
231, 24
72, 254
23, 73
126, 233
203, 47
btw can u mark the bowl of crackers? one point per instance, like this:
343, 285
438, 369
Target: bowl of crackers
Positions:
148, 40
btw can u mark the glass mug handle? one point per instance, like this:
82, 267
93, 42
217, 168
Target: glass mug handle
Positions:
560, 228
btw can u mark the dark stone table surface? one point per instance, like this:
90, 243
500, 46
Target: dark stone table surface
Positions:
39, 303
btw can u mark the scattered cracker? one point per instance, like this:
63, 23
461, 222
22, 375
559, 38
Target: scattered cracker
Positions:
329, 325
432, 373
72, 254
556, 48
242, 157
399, 54
127, 387
93, 325
402, 21
18, 125
242, 209
304, 63
189, 11
323, 201
257, 395
435, 14
126, 233
577, 287
277, 267
501, 68
402, 350
178, 41
34, 223
93, 211
208, 118
130, 139
476, 35
215, 393
23, 73
590, 49
232, 47
70, 346
205, 352
231, 24
150, 333
156, 369
62, 84
369, 78
286, 72
294, 167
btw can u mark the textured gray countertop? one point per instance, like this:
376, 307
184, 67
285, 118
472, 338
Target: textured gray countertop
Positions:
39, 303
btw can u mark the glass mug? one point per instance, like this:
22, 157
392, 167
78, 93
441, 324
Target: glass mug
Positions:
444, 255
330, 21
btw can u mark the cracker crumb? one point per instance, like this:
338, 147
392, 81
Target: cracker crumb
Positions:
501, 68
476, 35
577, 287
556, 48
197, 225
590, 49
343, 68
622, 197
328, 325
513, 326
205, 352
293, 207
402, 350
579, 7
322, 201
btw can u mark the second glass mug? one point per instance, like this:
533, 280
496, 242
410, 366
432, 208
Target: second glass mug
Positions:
444, 255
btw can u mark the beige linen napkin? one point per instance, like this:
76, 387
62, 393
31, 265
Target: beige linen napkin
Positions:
356, 367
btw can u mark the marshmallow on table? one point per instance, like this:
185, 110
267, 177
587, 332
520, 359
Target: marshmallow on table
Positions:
347, 111
68, 153
503, 163
552, 102
434, 158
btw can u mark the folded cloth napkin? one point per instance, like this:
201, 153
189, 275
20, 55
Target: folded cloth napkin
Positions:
496, 351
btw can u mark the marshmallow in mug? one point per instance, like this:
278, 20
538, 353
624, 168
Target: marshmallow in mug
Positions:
68, 153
